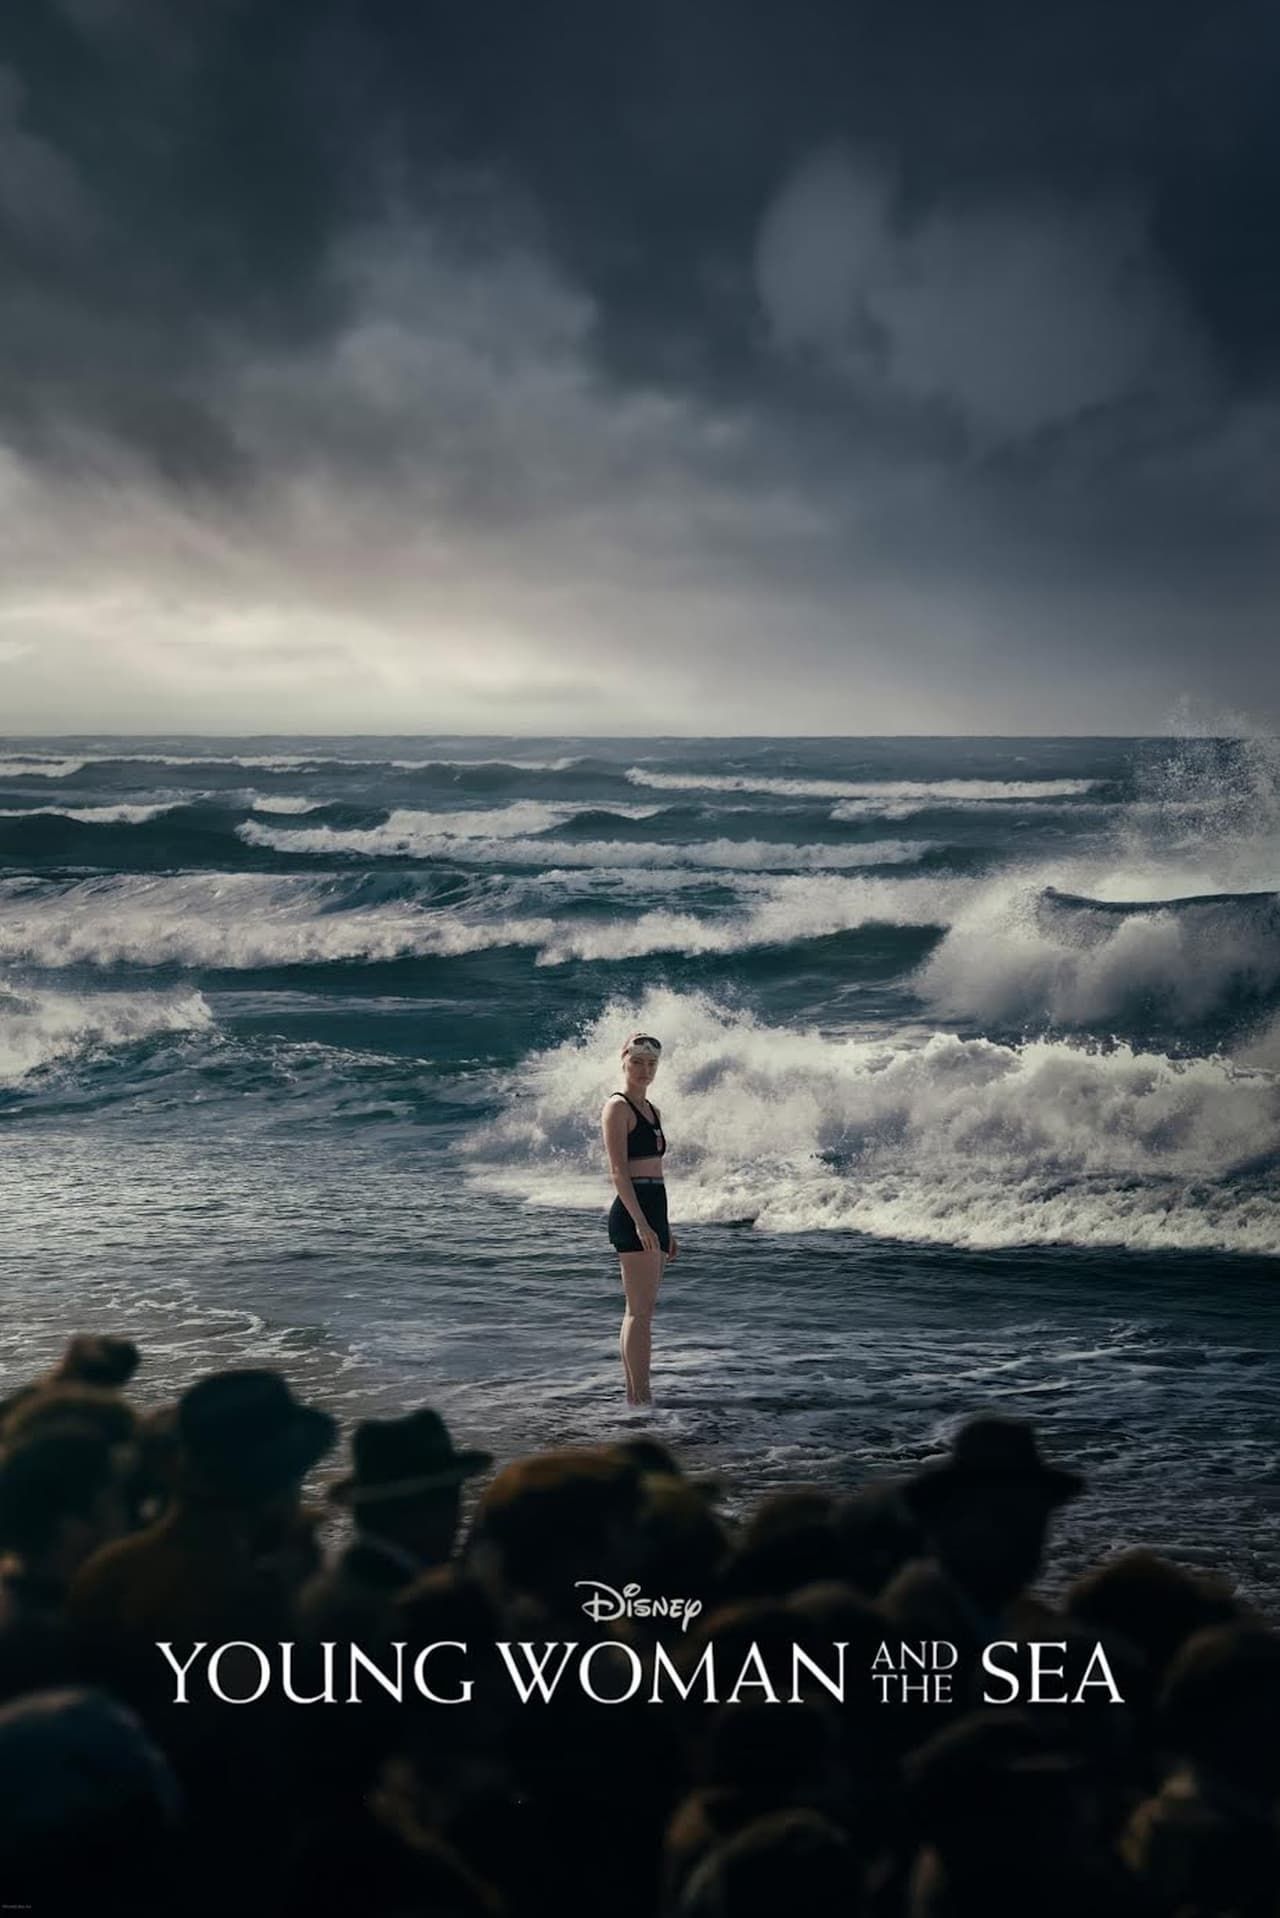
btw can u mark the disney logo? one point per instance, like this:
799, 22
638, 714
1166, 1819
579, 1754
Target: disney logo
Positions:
606, 1604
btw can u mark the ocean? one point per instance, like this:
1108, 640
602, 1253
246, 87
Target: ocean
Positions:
970, 1081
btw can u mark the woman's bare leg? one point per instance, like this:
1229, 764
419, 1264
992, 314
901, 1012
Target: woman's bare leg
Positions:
641, 1278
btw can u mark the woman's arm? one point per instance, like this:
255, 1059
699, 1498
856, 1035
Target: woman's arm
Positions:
613, 1125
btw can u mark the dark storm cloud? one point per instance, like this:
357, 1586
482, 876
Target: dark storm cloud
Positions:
190, 165
907, 334
185, 192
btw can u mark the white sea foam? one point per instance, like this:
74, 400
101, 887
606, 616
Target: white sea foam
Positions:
258, 762
420, 835
1261, 1047
917, 791
39, 1028
283, 803
121, 815
49, 766
1014, 954
1200, 845
423, 834
917, 1136
229, 920
854, 811
38, 766
794, 907
240, 920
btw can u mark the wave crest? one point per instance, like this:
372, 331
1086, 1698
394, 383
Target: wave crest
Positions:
420, 835
916, 791
1019, 954
919, 1136
38, 1029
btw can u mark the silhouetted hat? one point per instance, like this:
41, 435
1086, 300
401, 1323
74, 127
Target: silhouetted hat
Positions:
990, 1451
397, 1458
243, 1432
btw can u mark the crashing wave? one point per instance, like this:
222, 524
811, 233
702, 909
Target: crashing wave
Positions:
915, 1136
247, 920
1020, 953
38, 1029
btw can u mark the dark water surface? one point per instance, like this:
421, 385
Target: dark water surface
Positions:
971, 1082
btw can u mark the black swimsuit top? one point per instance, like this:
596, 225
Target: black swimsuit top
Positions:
646, 1139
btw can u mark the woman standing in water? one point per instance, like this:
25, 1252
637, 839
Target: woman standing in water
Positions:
638, 1228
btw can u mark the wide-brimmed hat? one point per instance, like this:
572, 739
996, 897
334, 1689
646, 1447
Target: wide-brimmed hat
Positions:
398, 1458
990, 1451
244, 1433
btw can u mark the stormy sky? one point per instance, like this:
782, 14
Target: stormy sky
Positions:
701, 366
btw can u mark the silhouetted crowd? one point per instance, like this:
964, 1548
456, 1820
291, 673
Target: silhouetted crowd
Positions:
123, 1529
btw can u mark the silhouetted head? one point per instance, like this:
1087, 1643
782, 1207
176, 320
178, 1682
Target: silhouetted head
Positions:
545, 1521
1009, 1822
244, 1439
986, 1507
1153, 1605
790, 1861
407, 1482
90, 1804
62, 1494
878, 1535
94, 1409
680, 1544
775, 1756
788, 1542
97, 1358
1221, 1705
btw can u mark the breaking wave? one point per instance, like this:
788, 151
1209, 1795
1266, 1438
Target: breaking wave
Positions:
892, 791
471, 836
38, 766
926, 1137
284, 803
1019, 954
38, 1029
121, 815
1174, 920
246, 921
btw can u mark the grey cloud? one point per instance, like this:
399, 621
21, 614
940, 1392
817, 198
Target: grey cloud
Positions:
1018, 314
41, 196
805, 368
455, 511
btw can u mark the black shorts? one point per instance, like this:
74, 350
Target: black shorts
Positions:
623, 1236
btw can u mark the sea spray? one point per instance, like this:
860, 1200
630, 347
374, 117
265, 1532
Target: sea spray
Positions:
918, 1135
38, 1029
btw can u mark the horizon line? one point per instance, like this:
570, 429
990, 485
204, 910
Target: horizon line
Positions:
614, 738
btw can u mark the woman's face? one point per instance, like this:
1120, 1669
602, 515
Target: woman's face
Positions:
640, 1067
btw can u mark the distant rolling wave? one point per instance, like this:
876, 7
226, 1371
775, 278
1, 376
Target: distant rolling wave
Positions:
415, 835
925, 791
239, 921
